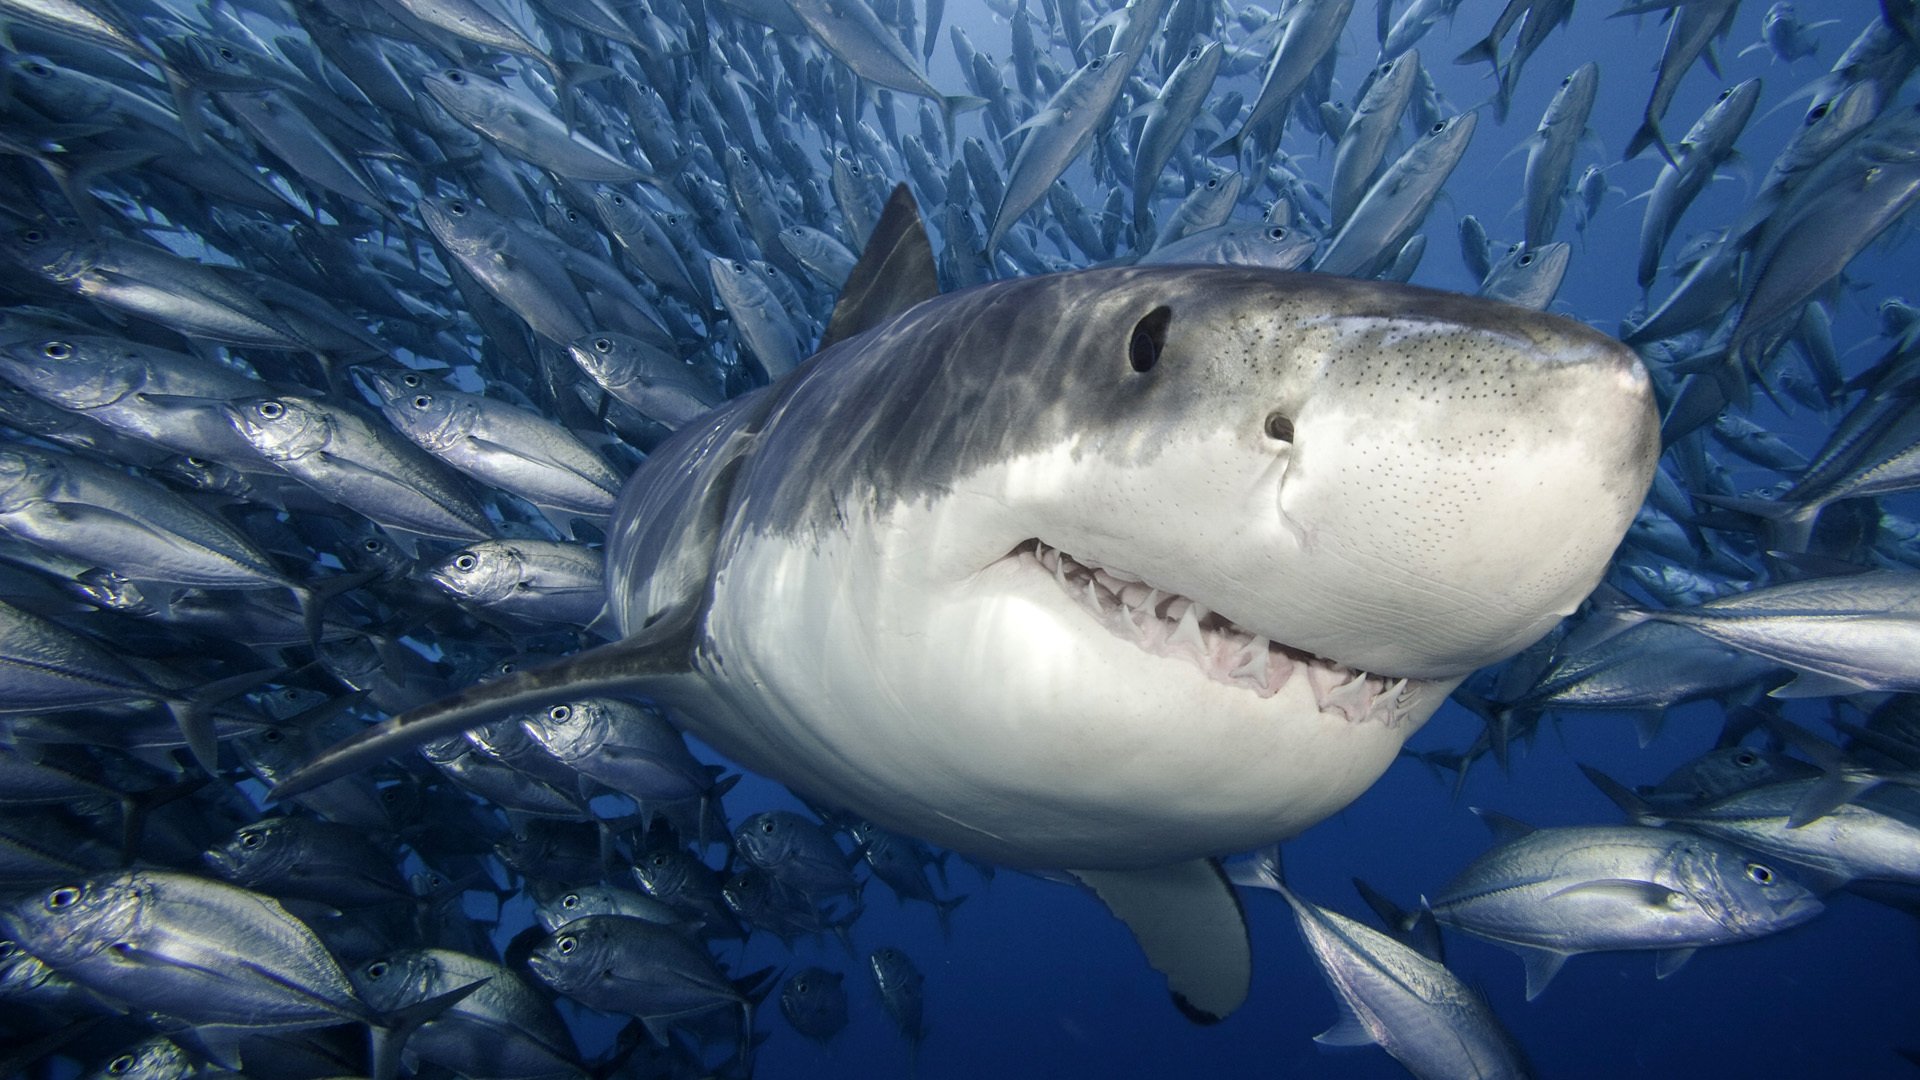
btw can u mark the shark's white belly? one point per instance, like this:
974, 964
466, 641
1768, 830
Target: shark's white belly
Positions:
996, 716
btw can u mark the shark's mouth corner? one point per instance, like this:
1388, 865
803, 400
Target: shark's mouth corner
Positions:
1166, 623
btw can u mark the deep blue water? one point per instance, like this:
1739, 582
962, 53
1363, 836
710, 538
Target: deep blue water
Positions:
1038, 980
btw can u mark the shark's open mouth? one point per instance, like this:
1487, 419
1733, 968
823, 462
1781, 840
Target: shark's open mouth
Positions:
1168, 624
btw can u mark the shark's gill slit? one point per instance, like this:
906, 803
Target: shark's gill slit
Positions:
1166, 623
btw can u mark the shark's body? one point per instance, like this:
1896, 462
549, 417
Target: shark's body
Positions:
1113, 571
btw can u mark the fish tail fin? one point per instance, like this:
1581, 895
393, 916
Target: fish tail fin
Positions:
1647, 135
1486, 50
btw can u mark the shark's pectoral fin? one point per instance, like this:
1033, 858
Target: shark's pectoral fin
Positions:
649, 661
1188, 921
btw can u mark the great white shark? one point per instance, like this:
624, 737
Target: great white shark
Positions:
1112, 571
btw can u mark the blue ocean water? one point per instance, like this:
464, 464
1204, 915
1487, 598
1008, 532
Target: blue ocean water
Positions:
1037, 979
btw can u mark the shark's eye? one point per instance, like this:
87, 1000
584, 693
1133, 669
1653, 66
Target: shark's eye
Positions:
1279, 427
1761, 875
1149, 337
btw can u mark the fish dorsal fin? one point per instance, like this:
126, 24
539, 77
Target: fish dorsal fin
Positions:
894, 273
1189, 923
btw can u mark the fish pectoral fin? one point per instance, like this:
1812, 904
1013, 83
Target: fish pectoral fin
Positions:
1649, 893
1188, 921
1542, 965
1808, 683
1670, 961
1346, 1031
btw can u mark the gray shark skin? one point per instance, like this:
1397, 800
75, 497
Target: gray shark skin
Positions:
1113, 570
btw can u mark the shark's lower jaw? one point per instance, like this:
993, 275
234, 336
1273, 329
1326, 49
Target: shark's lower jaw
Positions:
1167, 624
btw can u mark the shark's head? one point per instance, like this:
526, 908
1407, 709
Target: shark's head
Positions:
1121, 567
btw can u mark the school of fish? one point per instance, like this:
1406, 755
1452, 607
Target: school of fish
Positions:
333, 330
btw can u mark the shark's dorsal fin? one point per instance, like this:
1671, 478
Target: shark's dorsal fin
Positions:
894, 273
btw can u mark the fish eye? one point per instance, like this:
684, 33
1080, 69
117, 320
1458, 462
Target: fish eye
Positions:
570, 901
456, 76
1279, 427
617, 199
737, 267
1527, 259
377, 969
272, 736
1094, 64
1149, 337
1815, 114
573, 216
1277, 232
466, 560
1568, 81
37, 68
457, 208
195, 463
602, 345
1438, 127
1746, 759
566, 944
423, 401
62, 897
1760, 875
370, 545
560, 714
32, 236
56, 350
507, 667
121, 1065
767, 827
8, 950
271, 410
228, 54
1725, 94
1213, 183
410, 380
1193, 53
250, 840
658, 860
800, 985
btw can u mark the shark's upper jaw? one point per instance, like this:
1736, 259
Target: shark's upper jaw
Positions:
1165, 623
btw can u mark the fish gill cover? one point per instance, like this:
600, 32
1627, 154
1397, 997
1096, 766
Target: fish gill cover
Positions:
333, 330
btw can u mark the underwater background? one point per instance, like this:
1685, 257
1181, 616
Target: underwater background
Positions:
1036, 978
